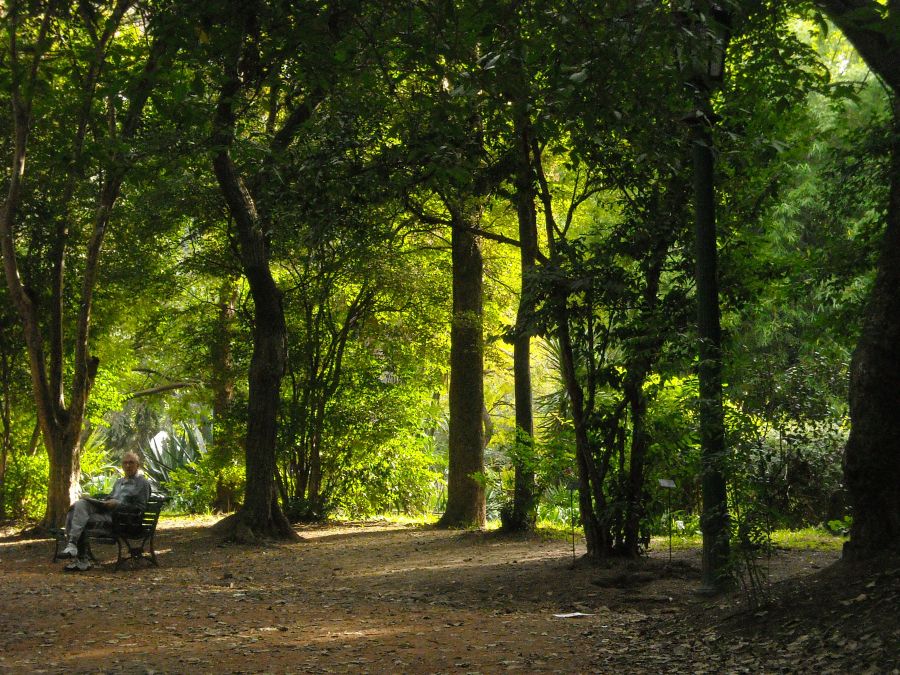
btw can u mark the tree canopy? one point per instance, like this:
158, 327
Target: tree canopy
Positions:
317, 259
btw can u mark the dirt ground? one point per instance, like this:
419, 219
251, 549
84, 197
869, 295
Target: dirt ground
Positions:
382, 598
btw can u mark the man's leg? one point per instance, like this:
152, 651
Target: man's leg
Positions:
79, 515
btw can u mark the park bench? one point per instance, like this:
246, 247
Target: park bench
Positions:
132, 531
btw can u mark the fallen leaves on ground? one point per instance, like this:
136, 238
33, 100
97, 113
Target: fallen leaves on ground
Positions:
384, 598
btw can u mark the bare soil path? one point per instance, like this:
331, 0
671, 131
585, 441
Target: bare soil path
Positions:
382, 598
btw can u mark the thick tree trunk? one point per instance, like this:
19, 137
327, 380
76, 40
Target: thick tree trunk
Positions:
714, 519
872, 455
465, 493
63, 453
260, 514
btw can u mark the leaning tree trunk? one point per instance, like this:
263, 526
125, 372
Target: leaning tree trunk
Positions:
260, 514
465, 492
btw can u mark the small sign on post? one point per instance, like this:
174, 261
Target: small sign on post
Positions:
668, 484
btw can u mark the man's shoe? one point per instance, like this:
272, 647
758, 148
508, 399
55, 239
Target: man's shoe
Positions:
70, 551
80, 565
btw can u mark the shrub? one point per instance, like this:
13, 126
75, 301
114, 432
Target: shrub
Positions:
26, 486
196, 487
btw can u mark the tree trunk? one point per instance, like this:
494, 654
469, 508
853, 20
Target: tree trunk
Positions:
465, 492
523, 514
640, 444
872, 455
63, 453
222, 378
714, 519
591, 500
260, 514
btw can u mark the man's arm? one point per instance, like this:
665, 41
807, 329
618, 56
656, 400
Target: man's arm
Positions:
143, 496
132, 494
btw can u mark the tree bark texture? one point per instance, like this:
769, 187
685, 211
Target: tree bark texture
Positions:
260, 514
872, 454
714, 519
524, 507
465, 492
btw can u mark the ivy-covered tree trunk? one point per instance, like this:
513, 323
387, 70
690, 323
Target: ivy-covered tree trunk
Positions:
465, 490
872, 455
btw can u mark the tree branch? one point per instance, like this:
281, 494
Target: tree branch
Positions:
874, 31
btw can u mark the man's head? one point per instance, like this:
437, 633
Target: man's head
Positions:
131, 463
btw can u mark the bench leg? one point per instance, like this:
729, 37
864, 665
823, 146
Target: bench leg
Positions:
133, 554
59, 537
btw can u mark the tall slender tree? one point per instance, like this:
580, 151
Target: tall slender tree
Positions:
256, 52
100, 125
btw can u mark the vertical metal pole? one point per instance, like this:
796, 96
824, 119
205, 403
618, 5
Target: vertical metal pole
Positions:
670, 526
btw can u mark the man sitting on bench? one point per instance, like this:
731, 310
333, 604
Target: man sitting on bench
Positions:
131, 491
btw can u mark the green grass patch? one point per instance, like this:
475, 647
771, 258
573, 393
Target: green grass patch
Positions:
808, 539
679, 543
553, 529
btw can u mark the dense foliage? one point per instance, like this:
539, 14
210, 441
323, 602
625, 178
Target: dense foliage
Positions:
367, 138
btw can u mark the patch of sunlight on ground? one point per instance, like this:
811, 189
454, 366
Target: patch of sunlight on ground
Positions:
178, 520
810, 538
